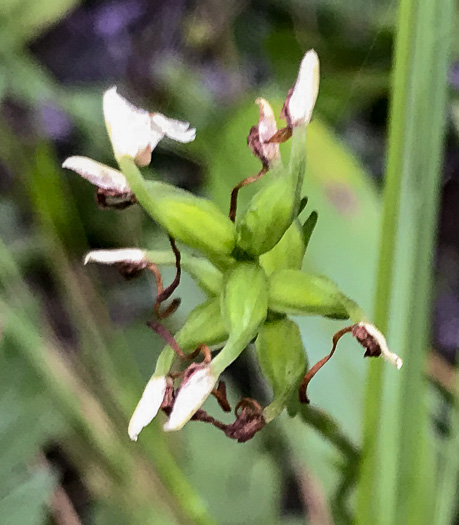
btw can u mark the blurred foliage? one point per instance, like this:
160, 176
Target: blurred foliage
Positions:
75, 351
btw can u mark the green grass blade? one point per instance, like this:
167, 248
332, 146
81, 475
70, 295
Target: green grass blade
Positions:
396, 469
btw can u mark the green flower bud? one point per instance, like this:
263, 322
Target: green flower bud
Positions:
195, 221
299, 293
282, 358
244, 306
244, 300
269, 215
288, 252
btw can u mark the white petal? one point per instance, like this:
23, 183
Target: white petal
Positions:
135, 132
129, 128
125, 255
148, 406
389, 356
305, 91
190, 397
174, 129
98, 174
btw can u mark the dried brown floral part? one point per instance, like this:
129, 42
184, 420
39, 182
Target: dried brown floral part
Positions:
249, 421
259, 136
375, 343
163, 332
164, 293
369, 337
234, 193
281, 136
220, 395
313, 371
112, 199
259, 141
249, 414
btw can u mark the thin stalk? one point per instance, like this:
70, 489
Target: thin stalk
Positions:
392, 485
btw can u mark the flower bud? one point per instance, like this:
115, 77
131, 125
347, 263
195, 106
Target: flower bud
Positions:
244, 306
299, 293
148, 406
301, 99
288, 252
195, 221
135, 132
269, 215
196, 387
282, 358
258, 139
244, 299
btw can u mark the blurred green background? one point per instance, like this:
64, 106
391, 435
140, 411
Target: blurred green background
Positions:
75, 350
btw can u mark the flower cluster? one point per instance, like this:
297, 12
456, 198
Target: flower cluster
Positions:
249, 266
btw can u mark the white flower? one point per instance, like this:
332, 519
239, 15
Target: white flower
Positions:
124, 255
298, 107
380, 340
148, 406
98, 174
135, 132
194, 390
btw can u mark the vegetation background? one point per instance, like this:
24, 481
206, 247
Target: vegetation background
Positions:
376, 446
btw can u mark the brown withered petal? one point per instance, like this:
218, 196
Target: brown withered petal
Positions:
367, 341
259, 135
111, 199
248, 422
131, 270
285, 114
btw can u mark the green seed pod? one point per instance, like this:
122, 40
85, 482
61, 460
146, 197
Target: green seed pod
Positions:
245, 298
244, 306
195, 221
269, 215
299, 293
288, 252
282, 358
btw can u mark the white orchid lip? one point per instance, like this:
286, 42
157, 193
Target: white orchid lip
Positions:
298, 107
148, 406
98, 174
124, 255
192, 394
134, 132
